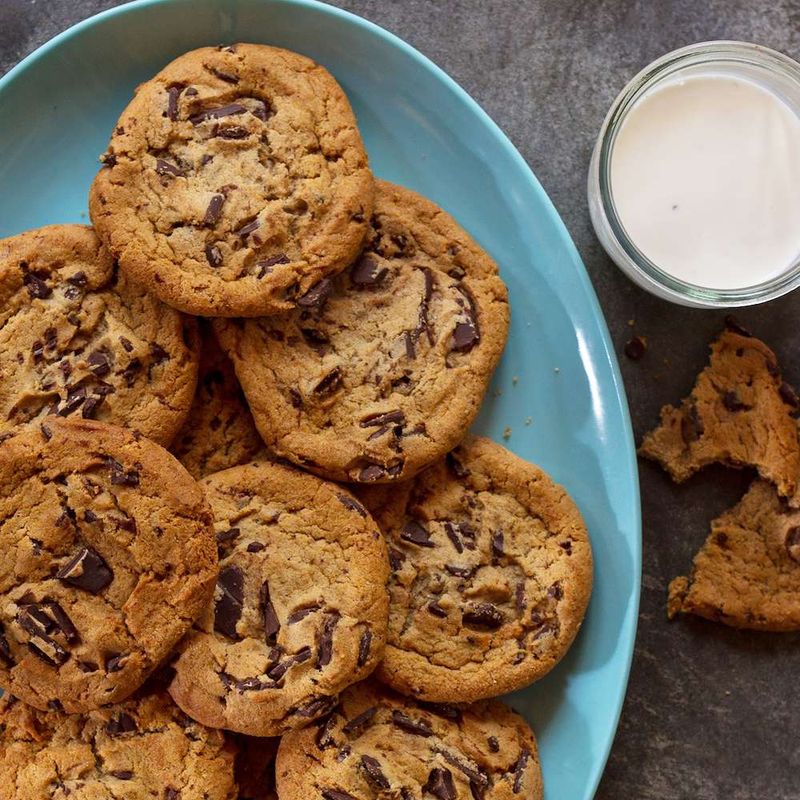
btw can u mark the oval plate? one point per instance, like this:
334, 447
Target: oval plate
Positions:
557, 390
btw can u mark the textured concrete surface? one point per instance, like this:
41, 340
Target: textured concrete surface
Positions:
711, 713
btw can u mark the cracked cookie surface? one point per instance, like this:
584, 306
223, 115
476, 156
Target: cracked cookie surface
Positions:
491, 575
300, 607
77, 339
235, 179
109, 557
747, 574
378, 744
141, 749
740, 413
219, 432
380, 373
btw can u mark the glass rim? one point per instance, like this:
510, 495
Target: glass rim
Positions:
722, 51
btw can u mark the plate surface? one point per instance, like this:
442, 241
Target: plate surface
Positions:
557, 389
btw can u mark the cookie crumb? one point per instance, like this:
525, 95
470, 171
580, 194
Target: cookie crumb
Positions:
515, 380
497, 393
507, 433
528, 420
631, 322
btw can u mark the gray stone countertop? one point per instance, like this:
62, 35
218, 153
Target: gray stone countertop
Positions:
711, 713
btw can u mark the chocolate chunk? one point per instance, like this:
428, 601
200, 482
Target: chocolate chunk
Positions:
316, 706
356, 726
37, 351
457, 468
231, 132
108, 159
227, 536
316, 296
217, 113
115, 662
519, 597
364, 647
452, 713
265, 265
412, 726
466, 334
435, 609
373, 772
122, 774
440, 784
452, 535
99, 362
48, 650
214, 210
90, 407
127, 345
228, 609
119, 724
74, 400
732, 402
213, 256
336, 794
63, 622
396, 559
325, 639
555, 591
494, 745
415, 533
158, 353
6, 655
165, 168
692, 427
423, 326
483, 615
228, 77
314, 337
324, 738
302, 612
171, 794
519, 770
37, 288
788, 395
372, 472
381, 418
255, 547
352, 504
248, 228
295, 398
330, 383
472, 771
367, 273
261, 110
130, 372
459, 572
732, 324
173, 93
250, 685
497, 545
635, 348
86, 570
50, 338
282, 667
120, 476
90, 516
793, 543
268, 614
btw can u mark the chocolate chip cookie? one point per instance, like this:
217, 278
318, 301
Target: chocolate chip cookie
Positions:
740, 413
378, 744
142, 749
300, 607
234, 181
219, 432
491, 575
109, 556
77, 339
380, 370
747, 574
255, 767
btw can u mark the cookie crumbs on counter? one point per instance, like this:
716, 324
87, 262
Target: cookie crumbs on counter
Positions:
515, 380
507, 433
497, 393
556, 369
528, 420
631, 322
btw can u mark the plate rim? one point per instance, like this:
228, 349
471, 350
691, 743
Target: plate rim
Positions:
559, 227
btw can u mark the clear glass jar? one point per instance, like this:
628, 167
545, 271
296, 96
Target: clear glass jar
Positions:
768, 68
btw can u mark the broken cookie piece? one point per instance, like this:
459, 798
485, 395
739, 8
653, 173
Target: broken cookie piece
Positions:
747, 574
740, 413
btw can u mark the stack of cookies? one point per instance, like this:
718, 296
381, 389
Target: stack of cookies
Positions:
323, 555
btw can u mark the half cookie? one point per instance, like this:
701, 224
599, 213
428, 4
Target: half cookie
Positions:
491, 575
378, 744
234, 181
747, 574
381, 370
739, 413
143, 748
300, 608
77, 339
109, 556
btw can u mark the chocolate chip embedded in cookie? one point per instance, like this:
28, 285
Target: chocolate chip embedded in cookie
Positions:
747, 574
109, 557
219, 432
376, 743
79, 340
300, 607
143, 748
381, 373
491, 575
234, 181
739, 413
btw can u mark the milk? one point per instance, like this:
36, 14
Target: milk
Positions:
705, 176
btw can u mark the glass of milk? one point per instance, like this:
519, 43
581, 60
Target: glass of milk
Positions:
694, 183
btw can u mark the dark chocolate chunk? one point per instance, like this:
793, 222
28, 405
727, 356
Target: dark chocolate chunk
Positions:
325, 639
255, 547
213, 256
412, 726
330, 383
336, 794
214, 210
6, 655
494, 745
173, 93
277, 671
732, 402
316, 296
228, 77
165, 168
381, 418
295, 398
465, 334
127, 345
119, 724
248, 228
108, 159
63, 622
555, 591
435, 609
228, 535
231, 132
121, 774
372, 472
86, 570
324, 738
373, 772
635, 348
452, 535
268, 614
692, 427
459, 572
483, 615
37, 288
733, 324
452, 713
364, 647
90, 407
472, 771
519, 770
37, 351
415, 533
261, 110
497, 545
352, 504
265, 265
171, 794
217, 113
114, 663
367, 273
99, 362
228, 609
131, 370
457, 468
396, 559
356, 726
519, 597
74, 400
303, 612
440, 784
316, 706
120, 476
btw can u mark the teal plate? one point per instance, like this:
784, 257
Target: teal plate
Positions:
557, 389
